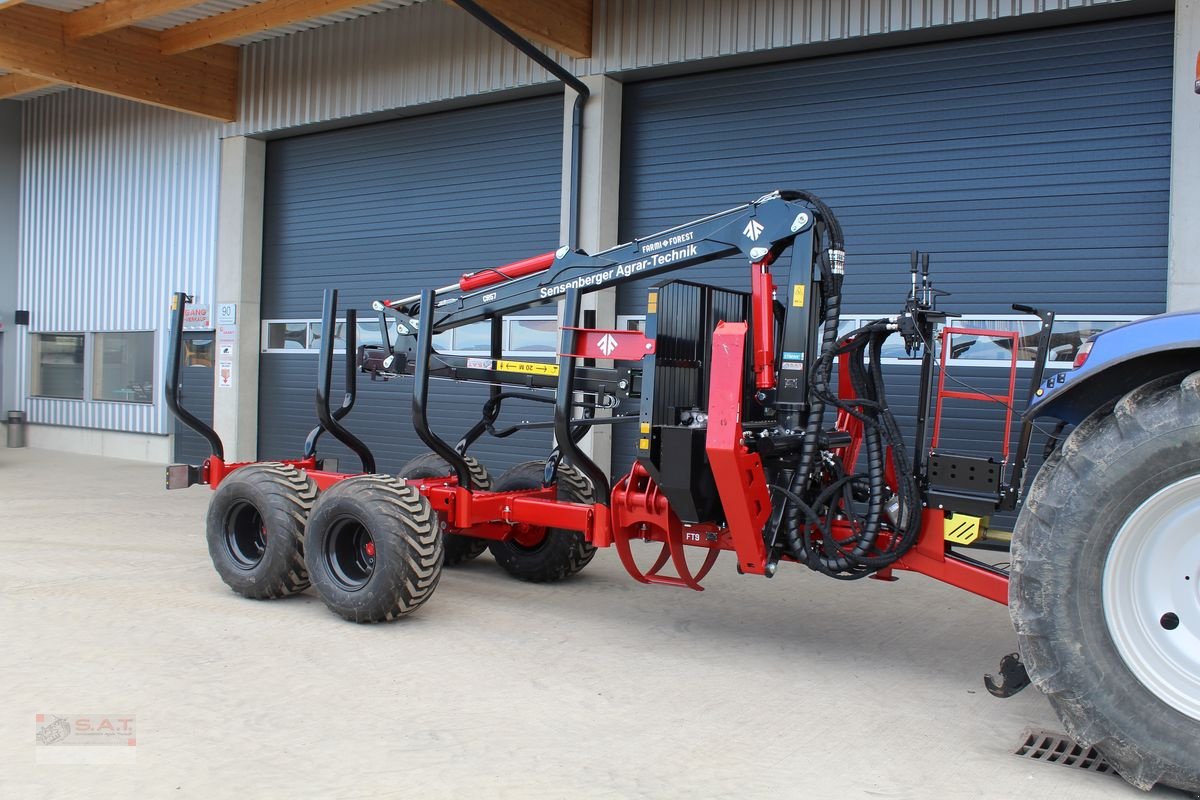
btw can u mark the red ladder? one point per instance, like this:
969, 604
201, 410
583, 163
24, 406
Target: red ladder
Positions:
947, 334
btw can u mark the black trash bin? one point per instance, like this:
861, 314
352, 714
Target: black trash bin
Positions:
16, 429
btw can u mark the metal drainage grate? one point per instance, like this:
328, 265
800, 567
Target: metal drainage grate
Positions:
1058, 748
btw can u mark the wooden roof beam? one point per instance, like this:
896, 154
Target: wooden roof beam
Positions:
126, 63
16, 85
565, 25
247, 21
113, 14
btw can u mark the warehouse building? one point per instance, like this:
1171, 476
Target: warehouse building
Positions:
253, 156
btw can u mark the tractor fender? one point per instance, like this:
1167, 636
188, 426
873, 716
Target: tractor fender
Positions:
1121, 359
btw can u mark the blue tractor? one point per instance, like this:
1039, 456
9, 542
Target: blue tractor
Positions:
1105, 577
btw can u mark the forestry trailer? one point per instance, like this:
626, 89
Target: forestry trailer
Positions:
765, 430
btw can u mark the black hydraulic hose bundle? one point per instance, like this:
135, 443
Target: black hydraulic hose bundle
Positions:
821, 487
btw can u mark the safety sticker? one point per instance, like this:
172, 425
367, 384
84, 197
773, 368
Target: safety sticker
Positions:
798, 295
527, 367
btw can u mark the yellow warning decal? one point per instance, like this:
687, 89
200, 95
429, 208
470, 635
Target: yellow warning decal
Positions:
643, 444
527, 367
962, 528
798, 295
645, 427
652, 303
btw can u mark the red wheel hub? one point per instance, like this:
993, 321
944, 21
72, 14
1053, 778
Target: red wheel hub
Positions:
528, 535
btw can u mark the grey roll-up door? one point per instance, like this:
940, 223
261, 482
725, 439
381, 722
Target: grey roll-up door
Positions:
384, 211
1033, 165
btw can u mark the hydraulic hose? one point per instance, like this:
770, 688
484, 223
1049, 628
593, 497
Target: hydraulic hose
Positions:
819, 487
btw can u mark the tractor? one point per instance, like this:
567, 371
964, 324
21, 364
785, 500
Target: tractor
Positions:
763, 427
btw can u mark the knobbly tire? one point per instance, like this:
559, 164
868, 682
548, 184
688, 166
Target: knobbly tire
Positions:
255, 530
373, 548
558, 553
1105, 583
458, 548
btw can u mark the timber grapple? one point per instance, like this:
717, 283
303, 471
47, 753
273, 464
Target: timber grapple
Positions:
763, 428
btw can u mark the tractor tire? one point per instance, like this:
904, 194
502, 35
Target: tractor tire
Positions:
373, 548
255, 530
458, 548
559, 553
1105, 583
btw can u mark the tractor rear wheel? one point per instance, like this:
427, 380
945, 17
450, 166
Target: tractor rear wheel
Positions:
458, 548
1105, 584
373, 548
544, 555
255, 530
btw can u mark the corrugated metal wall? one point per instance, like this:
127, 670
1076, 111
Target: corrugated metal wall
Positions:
431, 51
119, 209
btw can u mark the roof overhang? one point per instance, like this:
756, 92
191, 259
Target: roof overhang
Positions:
183, 54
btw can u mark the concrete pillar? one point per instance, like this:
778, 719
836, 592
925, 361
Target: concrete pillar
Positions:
239, 281
1183, 248
10, 217
599, 187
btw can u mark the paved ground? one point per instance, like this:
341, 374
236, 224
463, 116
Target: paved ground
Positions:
798, 686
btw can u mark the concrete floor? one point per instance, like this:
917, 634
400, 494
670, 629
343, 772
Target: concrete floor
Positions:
795, 687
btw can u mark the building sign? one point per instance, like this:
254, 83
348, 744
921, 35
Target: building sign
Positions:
226, 313
226, 348
196, 318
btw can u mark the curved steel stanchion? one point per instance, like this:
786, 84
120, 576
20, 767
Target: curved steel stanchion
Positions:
327, 417
171, 390
351, 394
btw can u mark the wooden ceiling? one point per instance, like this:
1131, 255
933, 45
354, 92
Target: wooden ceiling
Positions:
189, 67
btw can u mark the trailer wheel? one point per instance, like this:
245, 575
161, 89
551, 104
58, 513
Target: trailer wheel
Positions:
540, 555
255, 530
1105, 585
458, 548
373, 548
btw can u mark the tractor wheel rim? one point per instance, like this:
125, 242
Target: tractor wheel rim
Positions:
350, 554
245, 536
1151, 594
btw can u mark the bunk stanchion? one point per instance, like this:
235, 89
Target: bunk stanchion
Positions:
564, 400
327, 417
181, 476
420, 398
351, 393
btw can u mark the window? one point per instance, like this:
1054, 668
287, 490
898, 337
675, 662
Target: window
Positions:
198, 353
58, 365
532, 335
1070, 331
369, 333
339, 335
287, 336
123, 367
523, 336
